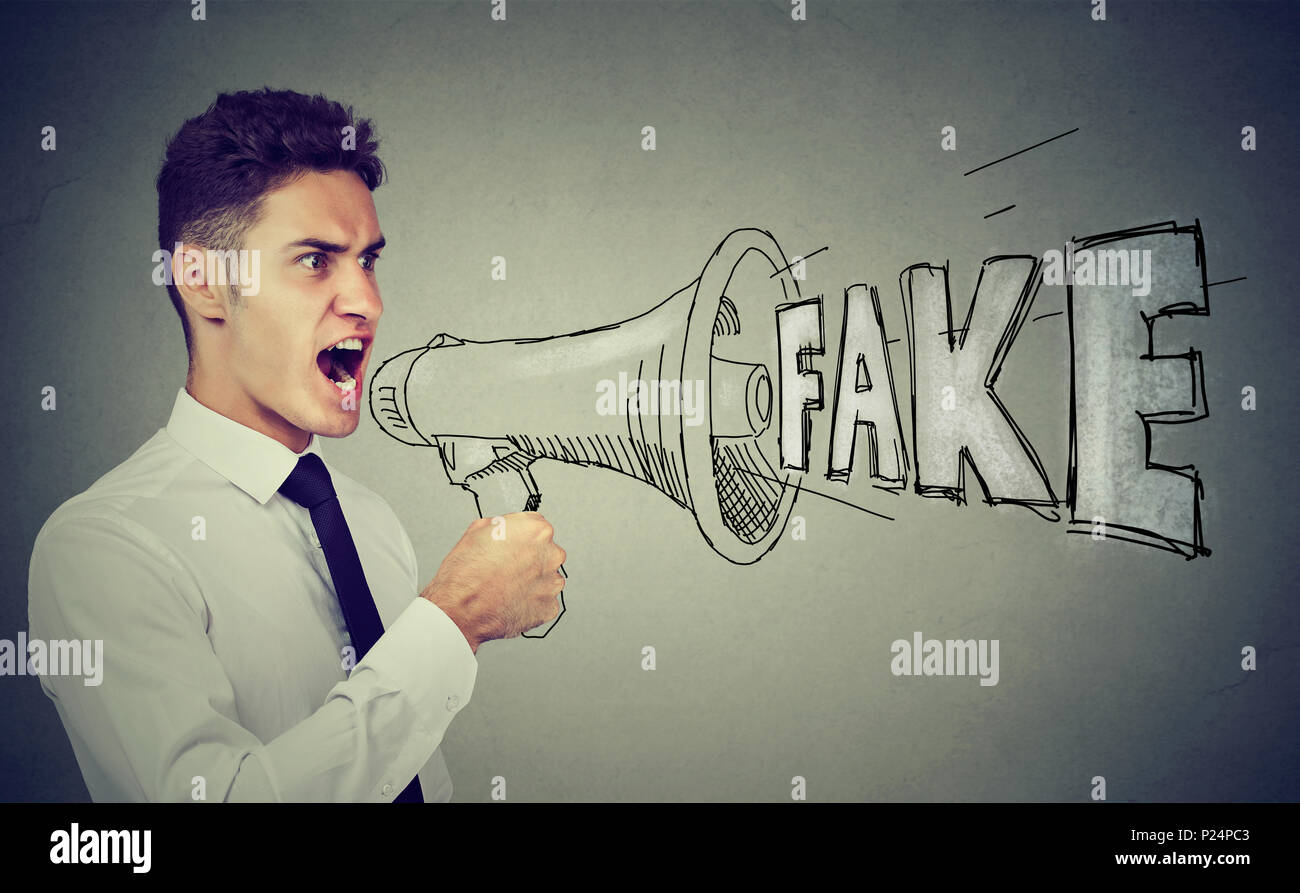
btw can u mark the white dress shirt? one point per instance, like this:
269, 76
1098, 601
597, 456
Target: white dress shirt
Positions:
224, 643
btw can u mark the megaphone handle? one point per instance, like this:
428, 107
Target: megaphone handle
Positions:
533, 504
547, 627
506, 489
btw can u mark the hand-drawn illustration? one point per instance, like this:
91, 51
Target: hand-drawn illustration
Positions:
742, 319
972, 427
1120, 386
476, 401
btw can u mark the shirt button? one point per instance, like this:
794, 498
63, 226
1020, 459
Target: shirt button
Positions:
388, 789
315, 540
452, 703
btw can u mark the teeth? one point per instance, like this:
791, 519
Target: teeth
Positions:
346, 386
348, 344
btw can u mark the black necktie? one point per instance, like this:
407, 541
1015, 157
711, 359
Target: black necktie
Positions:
310, 486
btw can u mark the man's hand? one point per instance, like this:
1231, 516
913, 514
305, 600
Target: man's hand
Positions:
498, 583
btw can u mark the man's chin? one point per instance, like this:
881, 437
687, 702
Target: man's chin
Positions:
338, 424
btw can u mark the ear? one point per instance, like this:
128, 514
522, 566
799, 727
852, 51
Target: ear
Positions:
201, 285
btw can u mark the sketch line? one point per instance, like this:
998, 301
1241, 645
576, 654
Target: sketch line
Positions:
803, 489
787, 267
1021, 152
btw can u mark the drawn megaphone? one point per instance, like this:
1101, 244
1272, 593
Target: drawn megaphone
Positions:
681, 397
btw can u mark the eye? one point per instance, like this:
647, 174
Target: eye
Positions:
368, 261
318, 256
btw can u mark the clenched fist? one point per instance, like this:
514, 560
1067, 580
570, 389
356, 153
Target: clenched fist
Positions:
502, 579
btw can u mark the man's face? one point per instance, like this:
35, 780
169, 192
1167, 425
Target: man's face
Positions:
272, 368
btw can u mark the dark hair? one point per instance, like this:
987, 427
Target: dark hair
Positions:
219, 165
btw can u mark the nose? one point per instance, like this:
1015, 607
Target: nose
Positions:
358, 294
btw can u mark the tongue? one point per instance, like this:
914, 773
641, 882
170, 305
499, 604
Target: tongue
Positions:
323, 362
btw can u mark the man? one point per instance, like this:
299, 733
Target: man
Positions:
264, 633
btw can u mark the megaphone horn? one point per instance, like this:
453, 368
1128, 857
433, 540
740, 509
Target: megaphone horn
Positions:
680, 397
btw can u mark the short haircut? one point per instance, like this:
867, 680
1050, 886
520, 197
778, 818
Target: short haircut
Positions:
220, 165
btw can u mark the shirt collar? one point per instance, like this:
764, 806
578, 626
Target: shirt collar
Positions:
249, 459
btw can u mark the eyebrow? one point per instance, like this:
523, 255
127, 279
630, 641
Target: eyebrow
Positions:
334, 247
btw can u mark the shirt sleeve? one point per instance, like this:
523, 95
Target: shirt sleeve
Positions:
161, 723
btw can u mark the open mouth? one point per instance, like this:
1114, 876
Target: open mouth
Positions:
342, 363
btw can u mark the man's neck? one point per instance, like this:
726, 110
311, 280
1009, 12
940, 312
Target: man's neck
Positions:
248, 415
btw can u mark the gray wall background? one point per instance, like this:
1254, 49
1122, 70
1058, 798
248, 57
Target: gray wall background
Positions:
522, 139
